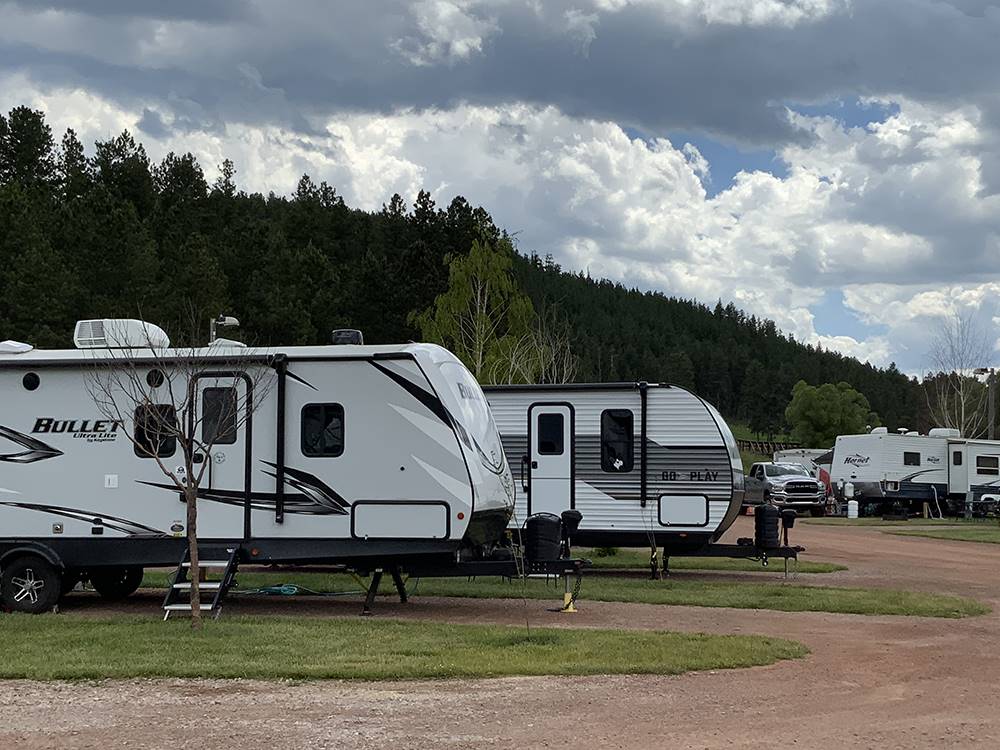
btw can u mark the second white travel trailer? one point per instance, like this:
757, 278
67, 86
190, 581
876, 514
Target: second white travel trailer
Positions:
884, 470
647, 465
363, 455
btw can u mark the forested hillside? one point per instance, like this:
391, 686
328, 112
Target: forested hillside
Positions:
100, 231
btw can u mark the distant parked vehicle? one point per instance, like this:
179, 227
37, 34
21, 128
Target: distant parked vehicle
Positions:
906, 471
786, 485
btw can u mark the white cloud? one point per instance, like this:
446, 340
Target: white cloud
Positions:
735, 12
449, 31
891, 214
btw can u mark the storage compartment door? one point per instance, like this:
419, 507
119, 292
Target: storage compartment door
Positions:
683, 510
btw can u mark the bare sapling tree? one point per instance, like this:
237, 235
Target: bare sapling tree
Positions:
542, 355
955, 396
553, 336
158, 395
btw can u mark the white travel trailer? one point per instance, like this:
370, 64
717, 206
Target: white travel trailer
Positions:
363, 455
891, 469
646, 464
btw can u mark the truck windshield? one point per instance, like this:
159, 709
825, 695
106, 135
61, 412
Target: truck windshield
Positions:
776, 470
477, 419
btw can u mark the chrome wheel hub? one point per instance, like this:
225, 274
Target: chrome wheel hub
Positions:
27, 587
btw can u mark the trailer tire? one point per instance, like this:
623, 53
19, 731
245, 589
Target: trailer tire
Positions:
116, 583
31, 584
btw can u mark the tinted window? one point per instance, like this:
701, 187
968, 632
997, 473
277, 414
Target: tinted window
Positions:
911, 458
322, 430
783, 470
988, 465
956, 458
550, 434
155, 431
218, 416
616, 440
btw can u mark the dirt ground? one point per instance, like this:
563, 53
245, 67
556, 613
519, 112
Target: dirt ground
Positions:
870, 682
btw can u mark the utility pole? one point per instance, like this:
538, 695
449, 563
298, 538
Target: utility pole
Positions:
991, 394
991, 399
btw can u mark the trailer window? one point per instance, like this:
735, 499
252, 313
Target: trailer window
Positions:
911, 458
616, 440
988, 465
322, 430
550, 434
155, 431
218, 416
956, 458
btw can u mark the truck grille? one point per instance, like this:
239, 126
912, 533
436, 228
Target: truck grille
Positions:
801, 488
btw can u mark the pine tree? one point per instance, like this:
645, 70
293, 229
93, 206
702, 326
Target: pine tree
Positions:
27, 151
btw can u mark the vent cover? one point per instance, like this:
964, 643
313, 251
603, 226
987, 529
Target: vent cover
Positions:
14, 347
119, 334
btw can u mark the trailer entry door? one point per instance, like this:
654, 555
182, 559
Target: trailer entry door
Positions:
222, 426
550, 446
958, 469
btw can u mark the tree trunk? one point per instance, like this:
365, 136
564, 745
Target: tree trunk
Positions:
194, 573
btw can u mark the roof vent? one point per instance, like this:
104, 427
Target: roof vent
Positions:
14, 347
119, 334
222, 343
346, 336
880, 431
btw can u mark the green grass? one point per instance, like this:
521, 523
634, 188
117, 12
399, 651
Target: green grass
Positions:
741, 595
839, 521
638, 559
988, 535
784, 597
45, 647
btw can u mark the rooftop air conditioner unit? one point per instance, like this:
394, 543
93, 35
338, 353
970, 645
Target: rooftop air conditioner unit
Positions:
119, 334
945, 432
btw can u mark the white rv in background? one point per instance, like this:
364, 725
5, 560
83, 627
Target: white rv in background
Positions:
646, 464
908, 469
359, 454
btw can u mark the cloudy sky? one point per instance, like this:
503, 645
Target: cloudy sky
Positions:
831, 164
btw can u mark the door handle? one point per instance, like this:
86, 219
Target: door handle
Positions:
534, 464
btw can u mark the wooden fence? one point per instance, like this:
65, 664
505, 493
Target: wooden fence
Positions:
765, 447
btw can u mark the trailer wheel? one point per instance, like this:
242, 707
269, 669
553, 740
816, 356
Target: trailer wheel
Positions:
116, 583
30, 584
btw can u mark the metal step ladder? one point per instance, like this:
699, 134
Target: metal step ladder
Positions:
225, 559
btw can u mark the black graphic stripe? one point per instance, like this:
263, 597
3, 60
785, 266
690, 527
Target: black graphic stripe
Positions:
314, 497
313, 486
428, 399
259, 500
112, 522
37, 450
297, 379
